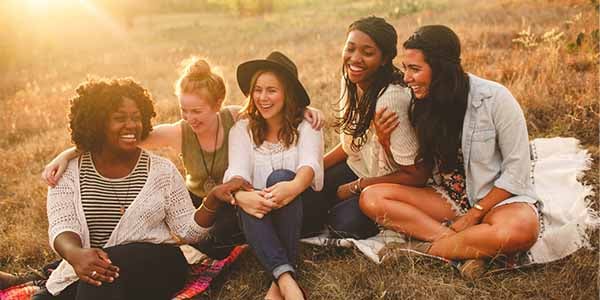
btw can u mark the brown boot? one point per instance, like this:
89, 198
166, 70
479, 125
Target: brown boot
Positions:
391, 250
472, 269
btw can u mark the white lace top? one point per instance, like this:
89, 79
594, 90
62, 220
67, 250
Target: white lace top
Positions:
255, 164
162, 206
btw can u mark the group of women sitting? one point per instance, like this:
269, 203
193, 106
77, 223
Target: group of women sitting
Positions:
428, 150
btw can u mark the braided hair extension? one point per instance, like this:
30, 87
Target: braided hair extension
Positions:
359, 112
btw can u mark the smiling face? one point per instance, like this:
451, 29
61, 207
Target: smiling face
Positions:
361, 58
268, 96
417, 72
124, 127
197, 110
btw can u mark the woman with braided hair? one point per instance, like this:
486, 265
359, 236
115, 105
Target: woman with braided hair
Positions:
371, 84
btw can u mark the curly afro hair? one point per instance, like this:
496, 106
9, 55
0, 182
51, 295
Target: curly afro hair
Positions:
95, 100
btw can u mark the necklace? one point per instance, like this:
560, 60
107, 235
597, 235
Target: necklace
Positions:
121, 201
210, 182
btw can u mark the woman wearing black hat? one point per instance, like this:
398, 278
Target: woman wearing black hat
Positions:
281, 155
201, 139
371, 84
481, 202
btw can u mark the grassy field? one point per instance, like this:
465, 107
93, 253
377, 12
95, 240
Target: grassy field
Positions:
545, 52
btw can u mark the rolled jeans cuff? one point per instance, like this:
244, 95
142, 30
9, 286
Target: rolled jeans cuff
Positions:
279, 270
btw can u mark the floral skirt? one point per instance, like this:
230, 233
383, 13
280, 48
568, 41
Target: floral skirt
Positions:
452, 188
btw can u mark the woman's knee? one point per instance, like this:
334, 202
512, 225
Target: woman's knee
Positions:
279, 176
370, 202
517, 234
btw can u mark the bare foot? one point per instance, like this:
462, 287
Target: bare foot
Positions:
289, 287
274, 293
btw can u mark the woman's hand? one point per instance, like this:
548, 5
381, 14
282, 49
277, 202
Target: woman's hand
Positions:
254, 203
225, 191
93, 266
54, 170
385, 122
472, 217
315, 117
282, 193
344, 191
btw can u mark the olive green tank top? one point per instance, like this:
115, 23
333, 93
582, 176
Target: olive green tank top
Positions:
191, 155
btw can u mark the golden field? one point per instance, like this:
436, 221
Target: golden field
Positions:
545, 51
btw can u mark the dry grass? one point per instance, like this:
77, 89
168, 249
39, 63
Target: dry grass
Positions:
513, 42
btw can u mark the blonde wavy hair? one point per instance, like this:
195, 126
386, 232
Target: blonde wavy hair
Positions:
197, 75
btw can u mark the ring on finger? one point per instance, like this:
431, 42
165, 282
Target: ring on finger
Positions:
93, 274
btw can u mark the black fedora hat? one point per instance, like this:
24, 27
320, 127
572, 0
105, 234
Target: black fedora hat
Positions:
275, 61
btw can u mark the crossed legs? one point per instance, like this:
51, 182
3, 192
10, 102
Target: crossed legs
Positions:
419, 212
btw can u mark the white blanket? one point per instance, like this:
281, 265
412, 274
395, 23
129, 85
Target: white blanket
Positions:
567, 217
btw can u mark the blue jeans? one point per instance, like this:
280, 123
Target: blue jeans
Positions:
345, 219
226, 232
224, 235
274, 238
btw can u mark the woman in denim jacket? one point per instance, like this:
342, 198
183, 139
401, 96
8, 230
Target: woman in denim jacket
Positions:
479, 202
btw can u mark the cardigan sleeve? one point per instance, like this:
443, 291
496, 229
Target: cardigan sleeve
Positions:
403, 140
180, 211
61, 208
310, 152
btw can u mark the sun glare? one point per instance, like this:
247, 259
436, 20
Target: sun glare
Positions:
42, 6
38, 4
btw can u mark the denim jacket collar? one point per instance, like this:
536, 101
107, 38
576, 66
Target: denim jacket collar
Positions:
478, 90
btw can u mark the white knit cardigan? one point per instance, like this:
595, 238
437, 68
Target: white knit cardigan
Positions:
162, 206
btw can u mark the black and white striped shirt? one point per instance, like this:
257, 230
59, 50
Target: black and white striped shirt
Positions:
105, 199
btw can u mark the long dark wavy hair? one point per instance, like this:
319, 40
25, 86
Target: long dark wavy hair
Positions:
438, 118
292, 113
359, 112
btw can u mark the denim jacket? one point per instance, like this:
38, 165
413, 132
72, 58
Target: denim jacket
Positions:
495, 143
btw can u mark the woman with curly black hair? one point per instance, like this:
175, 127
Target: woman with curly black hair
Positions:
371, 84
112, 212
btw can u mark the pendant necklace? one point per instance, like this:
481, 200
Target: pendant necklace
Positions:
122, 201
119, 200
210, 182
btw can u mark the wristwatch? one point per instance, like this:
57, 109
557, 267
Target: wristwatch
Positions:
478, 207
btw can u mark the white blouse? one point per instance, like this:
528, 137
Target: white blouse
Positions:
255, 164
371, 160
